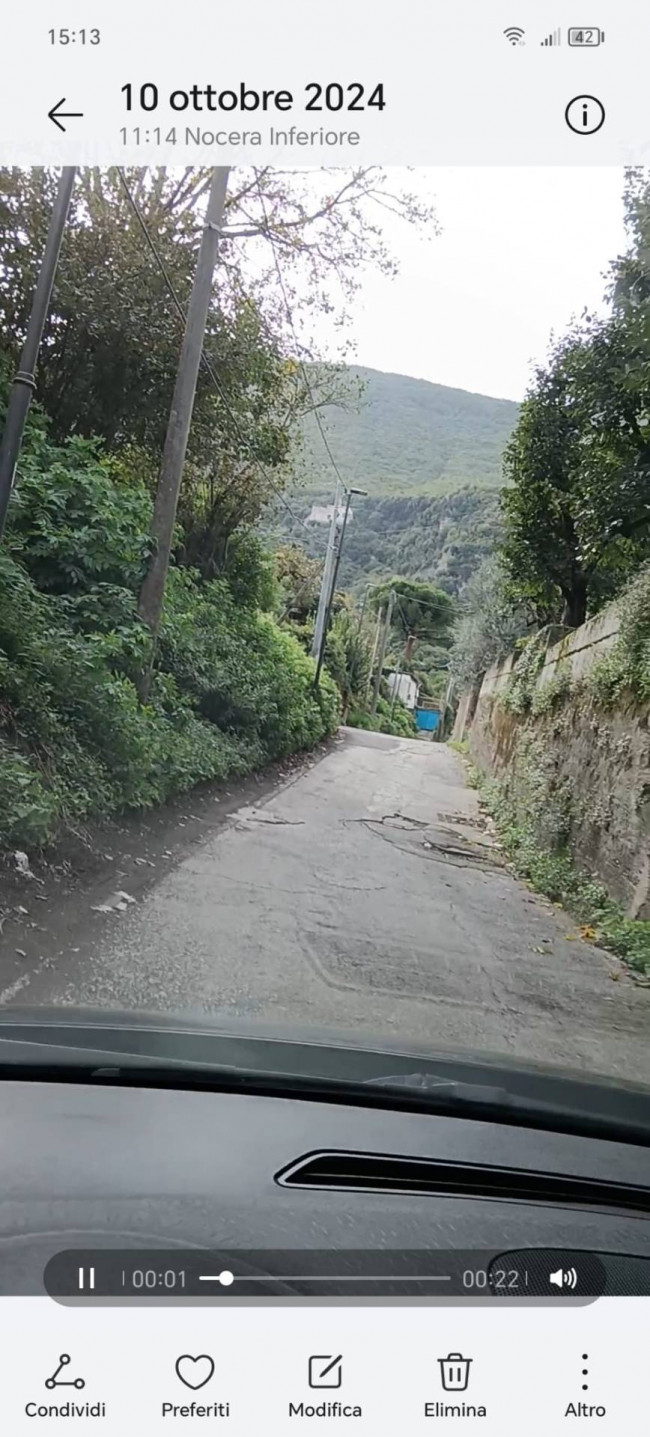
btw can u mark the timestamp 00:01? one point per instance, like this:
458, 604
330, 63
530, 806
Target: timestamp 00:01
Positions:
150, 1279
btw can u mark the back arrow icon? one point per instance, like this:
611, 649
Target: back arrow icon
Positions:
57, 114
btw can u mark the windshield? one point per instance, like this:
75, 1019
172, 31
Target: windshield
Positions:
324, 604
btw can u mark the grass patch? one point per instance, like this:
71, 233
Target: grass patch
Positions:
555, 875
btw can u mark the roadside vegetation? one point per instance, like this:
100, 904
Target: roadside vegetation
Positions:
232, 690
620, 677
575, 536
229, 678
539, 810
417, 640
574, 505
552, 872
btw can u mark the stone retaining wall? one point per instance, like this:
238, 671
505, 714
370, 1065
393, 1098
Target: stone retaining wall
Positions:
579, 773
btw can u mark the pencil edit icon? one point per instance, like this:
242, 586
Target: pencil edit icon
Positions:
326, 1371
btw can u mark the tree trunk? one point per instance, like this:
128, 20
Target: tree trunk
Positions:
575, 602
410, 645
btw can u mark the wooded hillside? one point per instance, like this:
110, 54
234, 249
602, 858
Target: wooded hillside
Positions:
407, 436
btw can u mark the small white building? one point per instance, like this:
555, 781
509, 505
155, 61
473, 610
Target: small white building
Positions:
408, 692
323, 514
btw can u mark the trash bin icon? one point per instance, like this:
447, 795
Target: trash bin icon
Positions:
454, 1371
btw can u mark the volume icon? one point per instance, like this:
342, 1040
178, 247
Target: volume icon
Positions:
564, 1277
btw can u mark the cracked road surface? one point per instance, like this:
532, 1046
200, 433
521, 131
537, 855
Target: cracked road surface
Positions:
365, 896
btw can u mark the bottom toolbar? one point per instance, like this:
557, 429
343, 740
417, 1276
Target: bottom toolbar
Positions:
379, 1368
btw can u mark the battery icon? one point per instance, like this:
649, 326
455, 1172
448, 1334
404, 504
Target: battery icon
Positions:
586, 36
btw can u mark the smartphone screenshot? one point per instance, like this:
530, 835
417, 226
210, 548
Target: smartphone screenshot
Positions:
324, 718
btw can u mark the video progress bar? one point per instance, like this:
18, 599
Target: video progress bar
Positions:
227, 1278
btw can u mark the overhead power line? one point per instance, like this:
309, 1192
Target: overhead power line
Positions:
425, 603
301, 361
204, 358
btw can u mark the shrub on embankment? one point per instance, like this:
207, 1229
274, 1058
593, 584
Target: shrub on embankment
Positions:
231, 690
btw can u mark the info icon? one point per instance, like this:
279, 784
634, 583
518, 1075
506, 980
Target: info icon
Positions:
585, 115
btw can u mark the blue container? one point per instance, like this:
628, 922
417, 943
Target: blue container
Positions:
427, 719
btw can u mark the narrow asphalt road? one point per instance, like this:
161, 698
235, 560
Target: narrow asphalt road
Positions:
364, 895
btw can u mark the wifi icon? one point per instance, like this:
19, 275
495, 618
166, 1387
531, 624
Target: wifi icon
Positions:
514, 35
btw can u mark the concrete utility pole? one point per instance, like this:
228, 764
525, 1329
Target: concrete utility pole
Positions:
375, 646
25, 382
178, 428
398, 680
337, 565
362, 613
326, 581
388, 614
445, 707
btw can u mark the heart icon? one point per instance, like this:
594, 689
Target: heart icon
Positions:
194, 1371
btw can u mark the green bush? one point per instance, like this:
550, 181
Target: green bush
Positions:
243, 672
249, 571
75, 740
231, 692
348, 657
28, 809
625, 670
400, 723
73, 523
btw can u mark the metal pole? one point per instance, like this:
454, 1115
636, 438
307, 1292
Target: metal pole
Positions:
25, 379
326, 581
328, 610
392, 599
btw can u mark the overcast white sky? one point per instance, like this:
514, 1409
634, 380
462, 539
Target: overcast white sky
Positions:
521, 251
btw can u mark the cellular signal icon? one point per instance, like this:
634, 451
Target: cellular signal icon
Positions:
555, 38
514, 35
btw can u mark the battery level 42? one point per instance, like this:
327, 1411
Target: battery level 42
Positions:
588, 35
